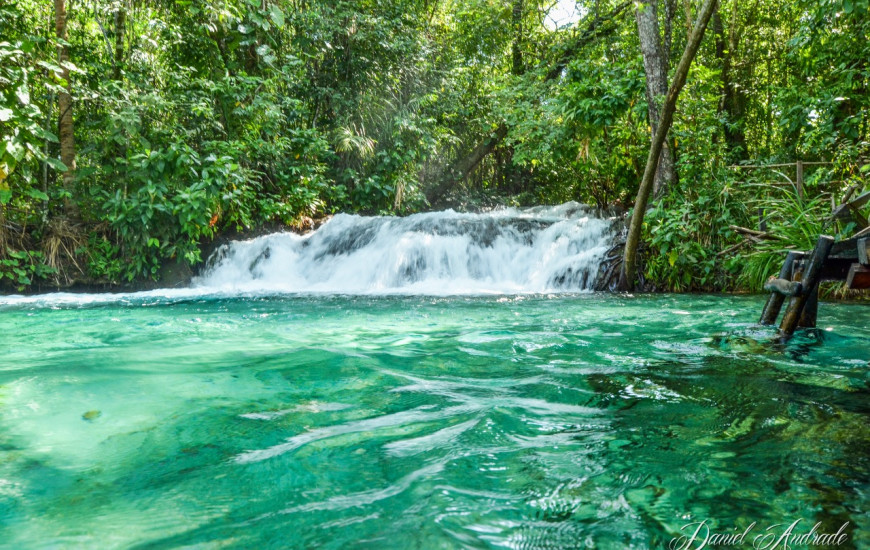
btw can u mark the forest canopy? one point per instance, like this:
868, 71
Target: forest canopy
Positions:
133, 133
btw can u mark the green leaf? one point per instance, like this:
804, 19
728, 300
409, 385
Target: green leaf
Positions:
672, 257
71, 67
37, 194
23, 95
50, 66
15, 150
277, 16
42, 133
56, 164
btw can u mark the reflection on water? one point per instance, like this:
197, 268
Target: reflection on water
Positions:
538, 422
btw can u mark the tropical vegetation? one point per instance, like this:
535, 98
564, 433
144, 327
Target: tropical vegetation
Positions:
133, 133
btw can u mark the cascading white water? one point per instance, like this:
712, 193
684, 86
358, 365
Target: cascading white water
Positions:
539, 249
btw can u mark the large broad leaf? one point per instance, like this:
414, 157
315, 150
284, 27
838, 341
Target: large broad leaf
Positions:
50, 66
23, 95
42, 133
15, 150
277, 16
56, 164
37, 194
71, 67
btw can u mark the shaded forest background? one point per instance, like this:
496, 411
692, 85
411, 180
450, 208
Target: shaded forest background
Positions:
133, 133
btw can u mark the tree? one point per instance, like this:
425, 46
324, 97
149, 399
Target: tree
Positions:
627, 275
120, 20
65, 128
655, 65
732, 104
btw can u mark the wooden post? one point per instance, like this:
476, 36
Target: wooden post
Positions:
810, 285
800, 178
864, 251
774, 302
811, 309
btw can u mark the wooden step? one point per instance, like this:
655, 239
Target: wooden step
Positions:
786, 288
858, 277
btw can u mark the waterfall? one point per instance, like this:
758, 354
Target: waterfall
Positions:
540, 249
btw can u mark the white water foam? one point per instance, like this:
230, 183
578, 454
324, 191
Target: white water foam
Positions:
542, 249
507, 251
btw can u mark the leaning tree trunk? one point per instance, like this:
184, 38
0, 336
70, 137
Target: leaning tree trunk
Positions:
461, 170
629, 260
655, 66
65, 129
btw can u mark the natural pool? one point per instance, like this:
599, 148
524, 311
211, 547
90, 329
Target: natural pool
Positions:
537, 421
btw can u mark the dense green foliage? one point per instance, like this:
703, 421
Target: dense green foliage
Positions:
196, 118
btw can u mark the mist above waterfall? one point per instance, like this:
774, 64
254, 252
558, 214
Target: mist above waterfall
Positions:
541, 249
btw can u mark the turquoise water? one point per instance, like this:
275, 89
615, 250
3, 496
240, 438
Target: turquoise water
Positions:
413, 422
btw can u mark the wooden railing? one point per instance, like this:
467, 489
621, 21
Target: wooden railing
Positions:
798, 168
799, 181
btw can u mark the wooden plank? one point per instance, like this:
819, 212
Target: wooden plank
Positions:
784, 287
844, 209
847, 249
860, 200
835, 269
810, 282
858, 216
864, 251
858, 277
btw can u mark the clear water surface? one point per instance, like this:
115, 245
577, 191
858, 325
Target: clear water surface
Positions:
542, 421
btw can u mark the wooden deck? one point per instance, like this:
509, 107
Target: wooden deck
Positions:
802, 272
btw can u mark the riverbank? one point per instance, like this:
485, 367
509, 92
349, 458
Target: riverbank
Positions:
400, 251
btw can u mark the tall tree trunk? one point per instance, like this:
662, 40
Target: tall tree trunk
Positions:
65, 128
687, 7
120, 31
3, 238
731, 104
655, 65
667, 44
517, 46
629, 260
120, 149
